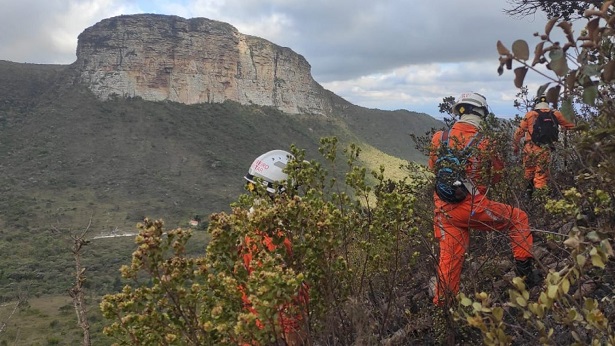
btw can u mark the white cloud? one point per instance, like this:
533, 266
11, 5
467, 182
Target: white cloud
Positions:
380, 54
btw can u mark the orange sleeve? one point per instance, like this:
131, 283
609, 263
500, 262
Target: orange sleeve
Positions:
435, 144
522, 129
561, 119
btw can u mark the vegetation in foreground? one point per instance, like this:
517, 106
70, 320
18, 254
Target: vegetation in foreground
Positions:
370, 259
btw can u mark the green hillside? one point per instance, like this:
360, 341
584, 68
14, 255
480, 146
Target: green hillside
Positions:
69, 160
67, 156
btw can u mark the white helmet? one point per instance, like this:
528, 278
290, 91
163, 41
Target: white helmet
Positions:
471, 102
540, 102
269, 167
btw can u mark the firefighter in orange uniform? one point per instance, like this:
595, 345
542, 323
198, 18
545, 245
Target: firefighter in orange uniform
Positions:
537, 152
268, 169
453, 220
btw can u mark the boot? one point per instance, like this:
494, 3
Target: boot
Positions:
529, 190
525, 269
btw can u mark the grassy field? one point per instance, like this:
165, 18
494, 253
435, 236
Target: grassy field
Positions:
48, 320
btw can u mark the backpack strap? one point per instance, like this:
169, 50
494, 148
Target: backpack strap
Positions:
444, 137
466, 152
477, 137
550, 113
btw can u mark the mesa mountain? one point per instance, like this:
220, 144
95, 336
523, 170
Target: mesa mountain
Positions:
161, 116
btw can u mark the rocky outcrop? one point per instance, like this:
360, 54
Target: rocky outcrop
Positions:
159, 57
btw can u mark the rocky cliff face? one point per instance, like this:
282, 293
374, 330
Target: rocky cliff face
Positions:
196, 60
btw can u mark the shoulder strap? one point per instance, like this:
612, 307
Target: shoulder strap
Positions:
477, 137
444, 137
467, 152
551, 115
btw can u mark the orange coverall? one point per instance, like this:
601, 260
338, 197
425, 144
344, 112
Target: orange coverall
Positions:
453, 221
290, 324
536, 159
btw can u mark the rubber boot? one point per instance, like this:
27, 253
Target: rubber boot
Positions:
525, 269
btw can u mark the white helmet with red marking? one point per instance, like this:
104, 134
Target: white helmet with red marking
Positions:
269, 167
471, 103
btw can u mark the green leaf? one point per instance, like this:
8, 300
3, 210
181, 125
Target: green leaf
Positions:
606, 246
540, 326
597, 261
559, 63
552, 291
572, 315
581, 260
521, 50
572, 242
609, 71
567, 109
540, 311
592, 70
589, 95
521, 301
553, 94
518, 282
565, 286
498, 313
542, 89
593, 236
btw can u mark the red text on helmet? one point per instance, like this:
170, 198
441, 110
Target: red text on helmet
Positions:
260, 166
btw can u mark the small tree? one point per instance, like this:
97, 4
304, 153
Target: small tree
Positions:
77, 292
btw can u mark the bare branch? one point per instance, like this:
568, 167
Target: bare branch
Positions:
77, 292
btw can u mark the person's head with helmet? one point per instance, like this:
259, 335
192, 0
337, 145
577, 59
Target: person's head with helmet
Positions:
540, 102
471, 103
269, 170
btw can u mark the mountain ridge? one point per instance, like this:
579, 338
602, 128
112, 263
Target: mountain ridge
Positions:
160, 57
70, 155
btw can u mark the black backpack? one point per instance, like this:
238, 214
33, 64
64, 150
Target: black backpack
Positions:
546, 128
450, 168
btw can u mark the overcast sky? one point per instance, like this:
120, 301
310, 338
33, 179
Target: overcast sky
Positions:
385, 54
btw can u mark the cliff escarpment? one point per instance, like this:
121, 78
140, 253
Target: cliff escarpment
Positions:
160, 57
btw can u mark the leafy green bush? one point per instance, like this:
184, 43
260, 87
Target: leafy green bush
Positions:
357, 245
575, 304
